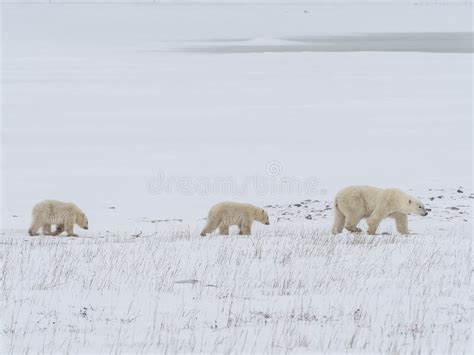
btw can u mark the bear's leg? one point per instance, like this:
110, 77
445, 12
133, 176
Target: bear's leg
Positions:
401, 221
224, 229
351, 224
46, 229
35, 226
69, 227
375, 218
373, 223
339, 221
245, 229
209, 228
59, 229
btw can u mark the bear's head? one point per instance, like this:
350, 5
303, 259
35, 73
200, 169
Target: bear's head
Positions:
262, 217
415, 206
82, 221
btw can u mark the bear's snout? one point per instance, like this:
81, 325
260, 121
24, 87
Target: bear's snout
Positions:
268, 223
86, 227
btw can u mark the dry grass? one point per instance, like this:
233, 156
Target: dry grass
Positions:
284, 289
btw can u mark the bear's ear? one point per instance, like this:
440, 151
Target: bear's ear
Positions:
409, 201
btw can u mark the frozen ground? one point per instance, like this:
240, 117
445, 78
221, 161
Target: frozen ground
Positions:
289, 288
146, 115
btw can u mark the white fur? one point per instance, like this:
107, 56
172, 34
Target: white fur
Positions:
357, 202
226, 214
63, 214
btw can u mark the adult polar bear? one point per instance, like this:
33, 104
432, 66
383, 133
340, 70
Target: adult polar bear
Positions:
357, 202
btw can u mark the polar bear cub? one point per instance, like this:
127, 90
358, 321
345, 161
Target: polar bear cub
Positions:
63, 214
357, 202
226, 214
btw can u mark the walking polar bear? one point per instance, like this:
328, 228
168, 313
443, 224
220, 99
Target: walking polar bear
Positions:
63, 214
226, 214
357, 202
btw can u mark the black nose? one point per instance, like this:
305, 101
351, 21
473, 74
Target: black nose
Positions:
268, 223
86, 227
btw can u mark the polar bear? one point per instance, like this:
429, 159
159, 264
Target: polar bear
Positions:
63, 214
226, 214
357, 202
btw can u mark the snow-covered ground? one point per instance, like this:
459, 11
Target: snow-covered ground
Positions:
291, 287
145, 115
